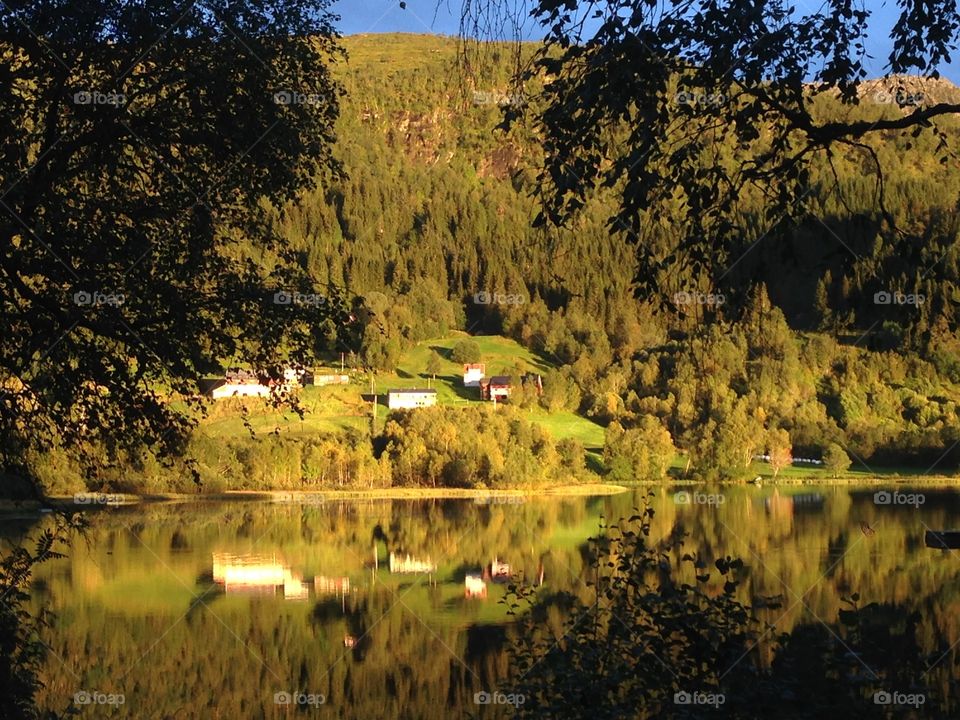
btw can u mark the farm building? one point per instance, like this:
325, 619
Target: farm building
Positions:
322, 380
413, 398
243, 383
473, 374
497, 388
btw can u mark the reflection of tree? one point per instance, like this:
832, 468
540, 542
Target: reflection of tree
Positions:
116, 605
651, 638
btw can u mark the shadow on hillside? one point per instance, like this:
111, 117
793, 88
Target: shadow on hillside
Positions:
456, 384
444, 352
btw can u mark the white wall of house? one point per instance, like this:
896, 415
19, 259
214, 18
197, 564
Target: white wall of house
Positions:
472, 377
331, 379
408, 400
240, 390
499, 393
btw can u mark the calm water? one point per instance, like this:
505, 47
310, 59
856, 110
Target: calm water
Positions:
216, 610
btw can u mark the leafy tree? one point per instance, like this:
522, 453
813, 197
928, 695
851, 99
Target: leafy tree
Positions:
466, 351
661, 624
641, 453
702, 106
572, 455
23, 651
835, 459
434, 364
143, 142
780, 450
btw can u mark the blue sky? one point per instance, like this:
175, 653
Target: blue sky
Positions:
429, 16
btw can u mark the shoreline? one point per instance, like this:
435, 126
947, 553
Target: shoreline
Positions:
315, 496
443, 493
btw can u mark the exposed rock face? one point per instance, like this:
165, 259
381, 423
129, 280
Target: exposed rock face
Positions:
908, 91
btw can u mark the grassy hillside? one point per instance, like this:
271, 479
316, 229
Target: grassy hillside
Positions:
339, 408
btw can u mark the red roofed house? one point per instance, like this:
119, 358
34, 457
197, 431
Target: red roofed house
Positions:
473, 374
497, 388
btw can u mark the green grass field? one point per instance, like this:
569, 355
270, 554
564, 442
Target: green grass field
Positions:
344, 407
337, 409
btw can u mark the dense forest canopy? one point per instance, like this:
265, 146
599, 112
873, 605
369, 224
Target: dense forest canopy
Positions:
843, 331
141, 143
836, 333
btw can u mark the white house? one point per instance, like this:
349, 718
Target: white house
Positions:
473, 373
239, 389
331, 380
413, 398
242, 383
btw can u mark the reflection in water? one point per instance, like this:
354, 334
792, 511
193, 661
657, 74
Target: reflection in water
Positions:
413, 637
407, 564
257, 574
474, 587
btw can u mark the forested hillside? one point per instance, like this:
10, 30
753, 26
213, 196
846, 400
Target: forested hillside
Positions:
841, 328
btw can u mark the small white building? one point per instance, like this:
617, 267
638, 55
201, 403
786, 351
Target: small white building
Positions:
323, 380
242, 383
473, 373
239, 389
413, 398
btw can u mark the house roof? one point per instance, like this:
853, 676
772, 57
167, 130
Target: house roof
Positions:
412, 391
499, 380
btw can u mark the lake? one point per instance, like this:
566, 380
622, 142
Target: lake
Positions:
363, 609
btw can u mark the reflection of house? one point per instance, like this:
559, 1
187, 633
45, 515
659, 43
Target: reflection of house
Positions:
409, 564
257, 574
497, 388
414, 398
474, 586
499, 571
473, 373
787, 505
331, 585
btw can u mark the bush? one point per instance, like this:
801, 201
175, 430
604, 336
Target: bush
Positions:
641, 453
836, 460
466, 351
